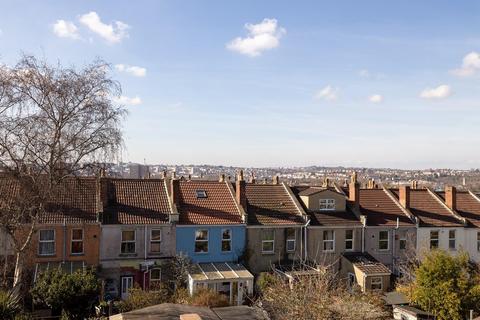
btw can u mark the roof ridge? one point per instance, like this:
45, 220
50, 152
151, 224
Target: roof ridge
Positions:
452, 212
406, 211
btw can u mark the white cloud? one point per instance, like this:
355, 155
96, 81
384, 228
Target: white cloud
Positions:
375, 98
132, 70
262, 36
470, 65
364, 73
65, 29
441, 92
113, 33
128, 101
328, 93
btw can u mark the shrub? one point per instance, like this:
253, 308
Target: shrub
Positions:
209, 298
139, 298
74, 294
9, 305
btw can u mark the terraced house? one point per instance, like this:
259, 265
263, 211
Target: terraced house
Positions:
275, 224
67, 234
211, 231
138, 234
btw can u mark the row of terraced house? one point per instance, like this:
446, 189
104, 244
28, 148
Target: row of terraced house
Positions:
128, 229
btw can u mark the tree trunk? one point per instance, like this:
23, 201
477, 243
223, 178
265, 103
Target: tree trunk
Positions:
17, 277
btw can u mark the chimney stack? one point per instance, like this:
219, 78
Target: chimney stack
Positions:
451, 197
264, 180
354, 190
240, 190
404, 196
326, 182
370, 183
222, 178
276, 179
252, 178
175, 190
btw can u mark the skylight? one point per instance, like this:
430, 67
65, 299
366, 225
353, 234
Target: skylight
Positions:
201, 194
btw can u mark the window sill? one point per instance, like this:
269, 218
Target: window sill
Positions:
128, 255
268, 253
46, 255
201, 253
77, 254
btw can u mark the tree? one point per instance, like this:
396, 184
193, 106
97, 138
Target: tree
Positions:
446, 285
74, 294
55, 123
317, 297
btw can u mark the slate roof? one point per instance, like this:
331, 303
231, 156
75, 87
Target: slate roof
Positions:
467, 206
76, 200
135, 201
219, 207
366, 263
270, 204
313, 190
429, 210
381, 210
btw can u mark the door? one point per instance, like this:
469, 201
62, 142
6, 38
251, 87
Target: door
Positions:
127, 284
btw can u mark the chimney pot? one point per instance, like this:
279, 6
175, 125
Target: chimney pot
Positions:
451, 197
414, 184
276, 180
222, 178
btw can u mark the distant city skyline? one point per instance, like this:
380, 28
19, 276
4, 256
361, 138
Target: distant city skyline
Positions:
274, 83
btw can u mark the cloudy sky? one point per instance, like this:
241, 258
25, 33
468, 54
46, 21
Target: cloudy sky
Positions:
275, 83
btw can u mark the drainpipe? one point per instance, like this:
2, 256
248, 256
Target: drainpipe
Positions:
64, 239
305, 239
145, 243
394, 244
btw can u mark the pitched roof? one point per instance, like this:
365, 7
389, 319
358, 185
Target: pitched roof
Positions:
308, 191
135, 201
271, 204
75, 200
429, 210
381, 210
467, 206
366, 263
218, 207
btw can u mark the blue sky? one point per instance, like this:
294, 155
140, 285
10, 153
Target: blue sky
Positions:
275, 83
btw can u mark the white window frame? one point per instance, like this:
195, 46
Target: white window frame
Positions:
327, 204
291, 240
160, 273
40, 241
134, 241
229, 240
383, 240
380, 282
454, 239
325, 241
272, 241
77, 240
352, 240
436, 239
478, 241
159, 241
201, 240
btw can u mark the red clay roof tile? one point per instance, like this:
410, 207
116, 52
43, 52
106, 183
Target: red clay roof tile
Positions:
381, 210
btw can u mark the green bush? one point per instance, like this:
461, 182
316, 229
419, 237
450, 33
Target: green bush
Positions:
74, 294
9, 305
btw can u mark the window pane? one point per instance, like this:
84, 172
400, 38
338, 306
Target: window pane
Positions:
128, 235
328, 235
46, 235
383, 235
155, 275
290, 245
226, 245
46, 247
267, 246
328, 246
348, 234
156, 235
77, 247
77, 234
201, 246
201, 235
226, 234
403, 244
128, 247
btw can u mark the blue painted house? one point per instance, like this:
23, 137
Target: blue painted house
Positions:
211, 226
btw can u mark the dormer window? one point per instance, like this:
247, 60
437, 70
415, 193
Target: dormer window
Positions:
327, 204
201, 194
